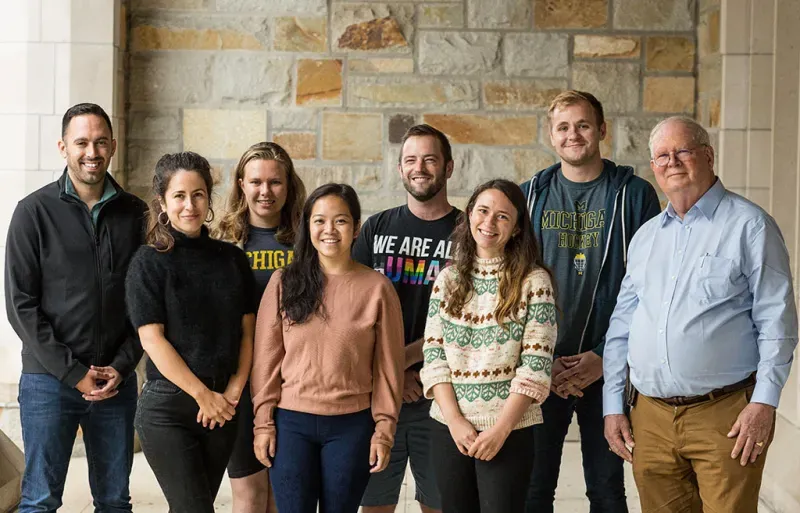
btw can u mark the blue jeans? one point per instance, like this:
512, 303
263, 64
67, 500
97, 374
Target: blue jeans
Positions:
51, 413
321, 458
602, 469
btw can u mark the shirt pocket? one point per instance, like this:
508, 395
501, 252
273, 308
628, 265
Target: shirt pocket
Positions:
714, 278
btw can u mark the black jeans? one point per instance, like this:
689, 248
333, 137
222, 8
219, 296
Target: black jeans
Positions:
187, 459
602, 469
468, 485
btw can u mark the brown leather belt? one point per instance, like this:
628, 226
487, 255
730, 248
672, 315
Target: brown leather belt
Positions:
714, 394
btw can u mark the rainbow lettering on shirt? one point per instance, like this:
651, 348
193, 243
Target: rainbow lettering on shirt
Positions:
417, 261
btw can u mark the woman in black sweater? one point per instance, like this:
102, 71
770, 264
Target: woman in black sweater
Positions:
191, 299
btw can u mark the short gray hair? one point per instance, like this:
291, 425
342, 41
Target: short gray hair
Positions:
699, 134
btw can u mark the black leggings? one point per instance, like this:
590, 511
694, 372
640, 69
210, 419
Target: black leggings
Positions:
468, 485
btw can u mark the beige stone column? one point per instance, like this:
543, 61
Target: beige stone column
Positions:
758, 157
759, 137
780, 489
55, 53
745, 135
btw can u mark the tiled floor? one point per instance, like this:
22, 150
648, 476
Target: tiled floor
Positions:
147, 495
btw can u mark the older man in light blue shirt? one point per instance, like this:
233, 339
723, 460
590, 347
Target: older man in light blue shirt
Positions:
705, 326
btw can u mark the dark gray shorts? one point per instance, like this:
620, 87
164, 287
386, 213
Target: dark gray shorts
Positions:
243, 460
411, 442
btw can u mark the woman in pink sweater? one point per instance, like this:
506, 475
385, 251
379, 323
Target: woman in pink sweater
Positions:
328, 361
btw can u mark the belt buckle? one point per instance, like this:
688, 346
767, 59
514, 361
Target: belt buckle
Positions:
682, 401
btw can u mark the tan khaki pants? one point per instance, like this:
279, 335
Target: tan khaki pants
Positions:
682, 460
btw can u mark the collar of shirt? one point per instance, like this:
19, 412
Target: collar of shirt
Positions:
707, 204
108, 191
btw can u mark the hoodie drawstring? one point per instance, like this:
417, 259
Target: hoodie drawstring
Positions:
624, 235
532, 195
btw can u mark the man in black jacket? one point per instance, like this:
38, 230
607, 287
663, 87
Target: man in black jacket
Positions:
68, 249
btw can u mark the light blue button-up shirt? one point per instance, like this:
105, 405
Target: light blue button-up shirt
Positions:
706, 301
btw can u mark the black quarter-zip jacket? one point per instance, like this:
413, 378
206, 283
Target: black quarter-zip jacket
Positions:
65, 281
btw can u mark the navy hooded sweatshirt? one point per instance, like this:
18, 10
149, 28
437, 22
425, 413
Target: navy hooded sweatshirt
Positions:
631, 201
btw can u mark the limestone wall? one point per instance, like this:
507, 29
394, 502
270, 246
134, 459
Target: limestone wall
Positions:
709, 67
338, 83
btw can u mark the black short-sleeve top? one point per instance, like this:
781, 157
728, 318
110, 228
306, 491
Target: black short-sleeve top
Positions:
199, 291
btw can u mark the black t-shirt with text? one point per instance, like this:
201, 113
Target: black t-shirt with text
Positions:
410, 252
266, 255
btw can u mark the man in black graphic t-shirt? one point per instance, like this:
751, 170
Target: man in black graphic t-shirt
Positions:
409, 251
411, 244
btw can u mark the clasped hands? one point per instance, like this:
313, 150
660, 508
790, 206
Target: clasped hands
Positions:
215, 408
99, 384
571, 374
481, 446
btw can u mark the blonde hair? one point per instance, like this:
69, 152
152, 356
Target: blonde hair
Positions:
234, 225
572, 97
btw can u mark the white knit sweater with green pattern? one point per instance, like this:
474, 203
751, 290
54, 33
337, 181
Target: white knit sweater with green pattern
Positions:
484, 362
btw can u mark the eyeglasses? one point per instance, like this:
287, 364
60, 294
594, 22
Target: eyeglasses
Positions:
683, 155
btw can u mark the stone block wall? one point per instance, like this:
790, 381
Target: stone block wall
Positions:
709, 67
337, 83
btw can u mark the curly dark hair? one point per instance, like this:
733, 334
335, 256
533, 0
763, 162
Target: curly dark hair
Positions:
158, 235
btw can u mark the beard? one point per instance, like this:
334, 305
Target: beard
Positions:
579, 161
88, 177
427, 192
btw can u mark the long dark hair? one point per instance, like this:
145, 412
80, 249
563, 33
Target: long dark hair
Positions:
234, 225
521, 256
158, 234
303, 280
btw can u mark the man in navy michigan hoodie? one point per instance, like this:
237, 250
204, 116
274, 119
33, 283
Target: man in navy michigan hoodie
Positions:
584, 212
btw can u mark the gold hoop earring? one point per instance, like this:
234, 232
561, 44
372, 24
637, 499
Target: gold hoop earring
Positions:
165, 220
210, 211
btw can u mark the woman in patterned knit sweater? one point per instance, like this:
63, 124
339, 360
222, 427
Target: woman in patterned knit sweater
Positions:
488, 355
